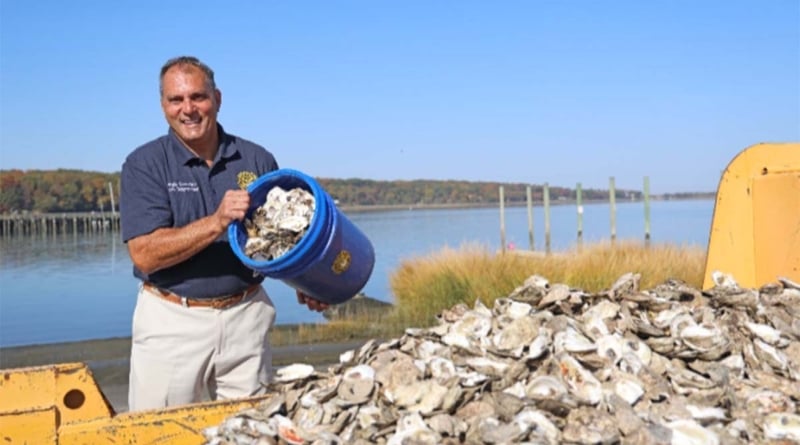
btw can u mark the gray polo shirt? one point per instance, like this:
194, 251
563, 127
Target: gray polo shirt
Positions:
163, 184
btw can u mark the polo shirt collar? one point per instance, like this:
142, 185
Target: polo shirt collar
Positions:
225, 150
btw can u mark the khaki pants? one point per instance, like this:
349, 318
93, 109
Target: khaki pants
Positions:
178, 352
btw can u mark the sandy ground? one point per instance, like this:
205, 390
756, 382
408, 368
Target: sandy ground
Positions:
108, 360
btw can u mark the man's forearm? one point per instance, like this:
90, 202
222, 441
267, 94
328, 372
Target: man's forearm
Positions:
167, 247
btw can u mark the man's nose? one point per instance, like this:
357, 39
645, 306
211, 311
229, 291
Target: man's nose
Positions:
187, 107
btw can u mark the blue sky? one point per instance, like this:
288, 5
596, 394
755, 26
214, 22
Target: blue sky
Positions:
528, 91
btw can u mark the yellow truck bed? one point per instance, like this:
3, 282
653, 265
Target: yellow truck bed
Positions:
755, 234
62, 404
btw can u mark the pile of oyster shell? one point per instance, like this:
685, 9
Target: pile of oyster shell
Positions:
278, 224
549, 364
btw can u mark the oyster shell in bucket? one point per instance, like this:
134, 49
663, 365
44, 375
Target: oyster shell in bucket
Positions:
278, 224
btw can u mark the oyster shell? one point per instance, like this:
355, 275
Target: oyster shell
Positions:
667, 365
278, 224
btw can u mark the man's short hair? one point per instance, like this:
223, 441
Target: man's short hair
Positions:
191, 61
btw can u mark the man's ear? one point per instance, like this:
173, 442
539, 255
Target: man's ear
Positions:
218, 93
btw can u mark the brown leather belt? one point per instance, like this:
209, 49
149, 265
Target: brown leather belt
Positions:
216, 303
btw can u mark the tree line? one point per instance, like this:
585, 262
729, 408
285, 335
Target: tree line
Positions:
366, 192
56, 190
63, 190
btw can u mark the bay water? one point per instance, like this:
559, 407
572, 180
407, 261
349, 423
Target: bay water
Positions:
70, 287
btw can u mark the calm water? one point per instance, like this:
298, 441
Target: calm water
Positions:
78, 287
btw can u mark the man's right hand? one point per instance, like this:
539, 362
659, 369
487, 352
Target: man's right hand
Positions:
233, 207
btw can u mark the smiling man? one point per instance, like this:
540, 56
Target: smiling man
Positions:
202, 318
191, 101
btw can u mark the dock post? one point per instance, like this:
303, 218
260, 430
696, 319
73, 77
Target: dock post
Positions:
646, 192
502, 220
579, 203
612, 203
530, 218
546, 198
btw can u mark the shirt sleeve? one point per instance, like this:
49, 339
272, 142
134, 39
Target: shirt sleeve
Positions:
144, 199
268, 162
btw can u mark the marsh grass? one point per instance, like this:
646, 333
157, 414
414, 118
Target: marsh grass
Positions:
337, 331
424, 286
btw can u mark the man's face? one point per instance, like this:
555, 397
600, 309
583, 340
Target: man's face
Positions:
190, 105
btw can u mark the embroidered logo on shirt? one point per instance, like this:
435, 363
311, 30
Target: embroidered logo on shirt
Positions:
182, 187
244, 179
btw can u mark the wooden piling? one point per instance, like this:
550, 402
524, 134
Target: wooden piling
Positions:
530, 218
612, 203
546, 199
111, 194
646, 197
46, 224
502, 220
579, 203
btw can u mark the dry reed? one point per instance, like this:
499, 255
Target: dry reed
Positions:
424, 286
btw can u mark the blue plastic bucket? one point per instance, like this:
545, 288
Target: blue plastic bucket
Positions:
332, 261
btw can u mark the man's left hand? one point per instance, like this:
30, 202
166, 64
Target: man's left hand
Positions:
313, 304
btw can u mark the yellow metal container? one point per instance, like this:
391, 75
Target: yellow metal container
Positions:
755, 234
62, 404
